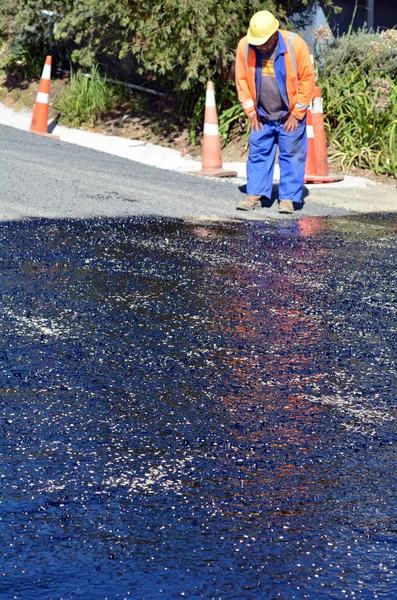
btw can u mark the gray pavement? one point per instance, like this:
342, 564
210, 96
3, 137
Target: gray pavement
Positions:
215, 199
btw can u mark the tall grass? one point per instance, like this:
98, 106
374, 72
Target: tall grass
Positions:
365, 123
85, 99
230, 117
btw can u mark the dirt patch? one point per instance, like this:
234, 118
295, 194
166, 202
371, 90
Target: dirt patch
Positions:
155, 120
20, 94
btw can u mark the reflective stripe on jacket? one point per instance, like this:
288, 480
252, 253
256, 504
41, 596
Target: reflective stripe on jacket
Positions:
293, 69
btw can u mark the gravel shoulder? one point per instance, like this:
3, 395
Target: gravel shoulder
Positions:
188, 196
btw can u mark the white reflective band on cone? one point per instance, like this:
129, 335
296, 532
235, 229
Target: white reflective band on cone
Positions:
317, 105
46, 72
210, 98
310, 131
42, 98
211, 129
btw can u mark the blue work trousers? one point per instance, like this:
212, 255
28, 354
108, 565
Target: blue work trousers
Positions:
291, 159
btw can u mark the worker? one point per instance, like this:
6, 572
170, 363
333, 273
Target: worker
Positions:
275, 84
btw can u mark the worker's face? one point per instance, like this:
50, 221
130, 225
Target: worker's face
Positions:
270, 45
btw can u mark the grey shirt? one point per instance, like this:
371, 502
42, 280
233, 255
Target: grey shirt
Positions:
270, 100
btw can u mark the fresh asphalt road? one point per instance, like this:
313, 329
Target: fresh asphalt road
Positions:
198, 410
190, 409
43, 177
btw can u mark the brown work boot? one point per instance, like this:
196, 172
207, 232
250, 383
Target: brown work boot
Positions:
286, 206
249, 202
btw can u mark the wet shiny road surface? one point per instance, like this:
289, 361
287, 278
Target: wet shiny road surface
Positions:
198, 410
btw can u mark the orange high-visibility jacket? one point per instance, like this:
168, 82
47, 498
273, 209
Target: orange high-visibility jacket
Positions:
293, 69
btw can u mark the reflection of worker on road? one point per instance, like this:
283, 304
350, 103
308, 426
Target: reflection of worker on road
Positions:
275, 83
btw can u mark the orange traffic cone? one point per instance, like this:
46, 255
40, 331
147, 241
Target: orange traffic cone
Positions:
39, 122
316, 170
211, 155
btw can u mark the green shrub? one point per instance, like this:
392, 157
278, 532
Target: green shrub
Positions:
85, 99
372, 52
21, 58
357, 76
365, 125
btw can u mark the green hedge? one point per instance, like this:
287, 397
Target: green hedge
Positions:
357, 75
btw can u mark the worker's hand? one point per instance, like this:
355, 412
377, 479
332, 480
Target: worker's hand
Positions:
255, 124
291, 124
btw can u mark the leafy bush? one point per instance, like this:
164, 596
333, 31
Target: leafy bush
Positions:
85, 99
22, 59
372, 52
365, 125
184, 41
357, 75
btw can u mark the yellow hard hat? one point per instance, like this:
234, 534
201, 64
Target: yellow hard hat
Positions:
262, 25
